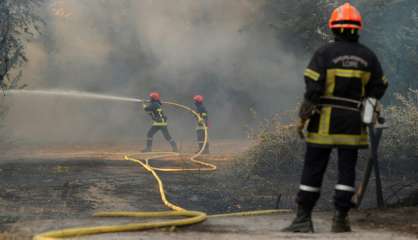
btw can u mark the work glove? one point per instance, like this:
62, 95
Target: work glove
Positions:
300, 127
144, 105
307, 110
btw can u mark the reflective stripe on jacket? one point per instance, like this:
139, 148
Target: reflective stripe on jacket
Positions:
203, 113
157, 115
342, 70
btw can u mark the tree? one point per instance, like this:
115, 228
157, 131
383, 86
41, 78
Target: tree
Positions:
299, 25
391, 29
18, 24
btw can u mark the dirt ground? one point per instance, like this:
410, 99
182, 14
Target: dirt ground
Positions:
401, 220
45, 189
254, 228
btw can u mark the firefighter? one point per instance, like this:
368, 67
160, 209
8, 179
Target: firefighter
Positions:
340, 75
159, 122
200, 129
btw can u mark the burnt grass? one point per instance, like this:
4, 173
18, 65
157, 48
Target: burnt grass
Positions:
40, 189
57, 189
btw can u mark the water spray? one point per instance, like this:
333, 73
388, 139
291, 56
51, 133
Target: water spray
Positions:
73, 94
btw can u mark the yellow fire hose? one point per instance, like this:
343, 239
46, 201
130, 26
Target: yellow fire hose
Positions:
191, 217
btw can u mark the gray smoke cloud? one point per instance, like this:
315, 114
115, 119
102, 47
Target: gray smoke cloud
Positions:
130, 47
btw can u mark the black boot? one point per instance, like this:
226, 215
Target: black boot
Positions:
148, 148
340, 222
174, 146
302, 223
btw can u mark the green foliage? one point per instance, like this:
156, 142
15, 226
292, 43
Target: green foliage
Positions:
18, 23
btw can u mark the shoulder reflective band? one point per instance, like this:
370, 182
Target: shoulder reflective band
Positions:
312, 74
204, 114
345, 188
350, 73
309, 188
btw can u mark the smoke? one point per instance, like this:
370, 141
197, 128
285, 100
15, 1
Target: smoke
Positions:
131, 47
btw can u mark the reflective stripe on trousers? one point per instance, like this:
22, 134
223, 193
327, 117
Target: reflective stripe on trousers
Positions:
307, 188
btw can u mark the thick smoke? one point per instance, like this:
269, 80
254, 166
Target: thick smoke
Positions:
131, 47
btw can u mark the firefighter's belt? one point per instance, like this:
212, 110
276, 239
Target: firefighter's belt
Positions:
341, 103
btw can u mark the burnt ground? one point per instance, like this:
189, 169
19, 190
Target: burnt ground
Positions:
401, 220
52, 189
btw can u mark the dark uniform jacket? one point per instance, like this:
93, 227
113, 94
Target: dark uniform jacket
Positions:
201, 110
339, 76
156, 113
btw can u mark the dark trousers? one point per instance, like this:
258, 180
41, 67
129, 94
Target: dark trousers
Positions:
315, 165
200, 134
164, 130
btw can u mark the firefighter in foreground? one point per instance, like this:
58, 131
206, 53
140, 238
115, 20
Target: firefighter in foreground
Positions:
340, 75
200, 129
159, 122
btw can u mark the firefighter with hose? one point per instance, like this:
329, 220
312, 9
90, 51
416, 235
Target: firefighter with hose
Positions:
159, 122
339, 77
200, 129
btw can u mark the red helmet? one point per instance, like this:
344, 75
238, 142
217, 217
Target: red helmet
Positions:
198, 98
154, 96
346, 16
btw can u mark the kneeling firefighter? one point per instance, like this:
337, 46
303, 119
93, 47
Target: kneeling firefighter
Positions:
340, 75
200, 129
159, 122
